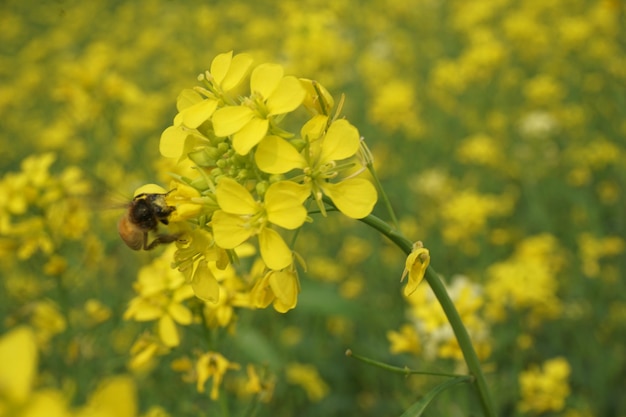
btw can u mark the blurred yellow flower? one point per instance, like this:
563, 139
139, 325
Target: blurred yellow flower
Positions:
309, 379
162, 292
544, 389
213, 364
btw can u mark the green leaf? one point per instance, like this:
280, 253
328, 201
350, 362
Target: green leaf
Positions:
417, 408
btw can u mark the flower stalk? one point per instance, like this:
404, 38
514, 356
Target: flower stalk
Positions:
462, 336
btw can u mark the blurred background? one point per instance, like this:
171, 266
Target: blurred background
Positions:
498, 132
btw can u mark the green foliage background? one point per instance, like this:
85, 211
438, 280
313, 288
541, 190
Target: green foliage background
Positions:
491, 122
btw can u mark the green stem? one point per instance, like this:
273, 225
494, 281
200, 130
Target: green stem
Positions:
471, 359
397, 369
369, 163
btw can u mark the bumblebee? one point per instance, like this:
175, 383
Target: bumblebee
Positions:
143, 215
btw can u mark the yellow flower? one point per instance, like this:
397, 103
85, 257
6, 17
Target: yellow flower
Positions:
406, 340
416, 264
115, 397
272, 95
212, 364
309, 379
195, 108
280, 287
161, 294
241, 217
18, 355
355, 197
545, 389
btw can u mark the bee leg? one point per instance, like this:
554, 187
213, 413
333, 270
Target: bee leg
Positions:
160, 239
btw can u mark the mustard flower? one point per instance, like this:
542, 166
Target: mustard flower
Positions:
19, 358
405, 340
325, 146
241, 217
18, 355
194, 258
416, 264
278, 287
546, 388
161, 294
197, 106
114, 397
309, 379
212, 364
272, 95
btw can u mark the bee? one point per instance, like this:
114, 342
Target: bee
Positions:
143, 215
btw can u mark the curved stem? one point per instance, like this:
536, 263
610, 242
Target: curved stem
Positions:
462, 336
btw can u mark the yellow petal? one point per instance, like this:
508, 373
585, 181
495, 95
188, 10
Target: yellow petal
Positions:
416, 264
320, 104
48, 403
287, 96
238, 69
187, 98
233, 197
229, 230
275, 155
314, 128
18, 356
172, 142
250, 135
204, 284
283, 204
141, 309
354, 197
168, 331
341, 142
265, 79
195, 115
220, 66
231, 119
285, 287
274, 251
116, 396
180, 313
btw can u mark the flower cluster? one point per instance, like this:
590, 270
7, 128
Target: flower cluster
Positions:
247, 173
428, 332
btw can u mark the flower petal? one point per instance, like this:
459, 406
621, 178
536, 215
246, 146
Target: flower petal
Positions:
265, 79
187, 98
274, 251
172, 142
287, 96
321, 104
275, 155
283, 203
180, 313
354, 197
220, 66
229, 230
238, 69
168, 331
233, 197
250, 135
204, 284
231, 119
341, 142
18, 355
193, 116
284, 285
